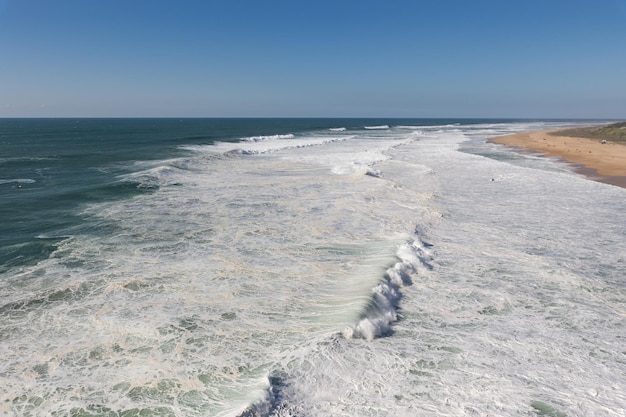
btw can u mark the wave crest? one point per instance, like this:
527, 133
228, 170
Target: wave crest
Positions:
18, 181
264, 138
381, 312
157, 177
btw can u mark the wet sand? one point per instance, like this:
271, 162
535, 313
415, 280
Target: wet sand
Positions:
604, 162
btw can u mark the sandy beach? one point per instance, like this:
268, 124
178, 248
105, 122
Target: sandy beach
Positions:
604, 162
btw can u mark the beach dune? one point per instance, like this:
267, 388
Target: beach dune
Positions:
599, 159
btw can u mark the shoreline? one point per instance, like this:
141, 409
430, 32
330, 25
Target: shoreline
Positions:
602, 162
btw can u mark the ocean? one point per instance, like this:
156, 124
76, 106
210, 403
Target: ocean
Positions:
305, 267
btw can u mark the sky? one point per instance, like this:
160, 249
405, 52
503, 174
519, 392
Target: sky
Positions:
313, 58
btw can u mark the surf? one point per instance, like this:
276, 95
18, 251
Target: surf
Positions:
324, 273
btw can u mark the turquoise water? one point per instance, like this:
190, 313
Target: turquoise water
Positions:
304, 267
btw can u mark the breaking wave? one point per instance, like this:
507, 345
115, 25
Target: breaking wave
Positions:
278, 398
381, 311
18, 181
264, 138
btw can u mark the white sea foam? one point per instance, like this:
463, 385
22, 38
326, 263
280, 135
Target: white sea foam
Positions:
337, 129
159, 176
268, 145
225, 295
416, 134
374, 172
381, 127
428, 127
264, 138
408, 127
381, 313
17, 181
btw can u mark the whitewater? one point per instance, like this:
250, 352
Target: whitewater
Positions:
384, 269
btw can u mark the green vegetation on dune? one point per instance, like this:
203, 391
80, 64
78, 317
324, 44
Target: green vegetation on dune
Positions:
615, 132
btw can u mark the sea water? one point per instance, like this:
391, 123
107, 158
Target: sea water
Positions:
338, 267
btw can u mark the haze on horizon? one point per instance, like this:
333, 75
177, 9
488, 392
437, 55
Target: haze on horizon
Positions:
244, 58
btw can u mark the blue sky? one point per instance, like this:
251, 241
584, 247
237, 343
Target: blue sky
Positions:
317, 58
